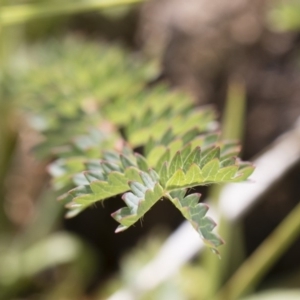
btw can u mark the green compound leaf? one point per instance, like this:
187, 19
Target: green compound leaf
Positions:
115, 183
79, 155
189, 121
176, 168
189, 168
141, 198
180, 144
195, 213
104, 179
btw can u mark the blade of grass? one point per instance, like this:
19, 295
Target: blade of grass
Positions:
259, 263
235, 109
16, 14
7, 134
232, 129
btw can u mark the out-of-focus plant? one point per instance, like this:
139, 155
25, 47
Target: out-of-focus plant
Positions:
95, 112
133, 262
60, 252
16, 14
284, 15
92, 87
276, 294
64, 96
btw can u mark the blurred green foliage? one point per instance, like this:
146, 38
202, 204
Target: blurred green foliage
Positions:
92, 102
83, 85
284, 15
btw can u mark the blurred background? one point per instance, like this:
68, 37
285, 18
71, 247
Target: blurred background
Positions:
59, 60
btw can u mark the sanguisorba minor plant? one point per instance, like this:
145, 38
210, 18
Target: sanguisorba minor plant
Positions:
92, 104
